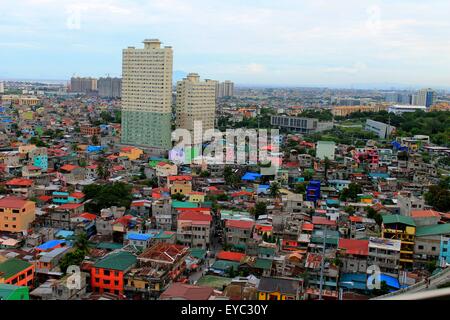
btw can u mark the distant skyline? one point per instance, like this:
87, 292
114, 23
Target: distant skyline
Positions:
295, 43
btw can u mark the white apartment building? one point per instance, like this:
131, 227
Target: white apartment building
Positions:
196, 105
147, 95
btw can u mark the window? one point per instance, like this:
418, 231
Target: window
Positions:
420, 247
433, 248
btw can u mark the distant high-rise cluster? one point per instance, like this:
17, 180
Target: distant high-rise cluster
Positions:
224, 89
2, 87
109, 87
424, 97
147, 95
83, 85
196, 101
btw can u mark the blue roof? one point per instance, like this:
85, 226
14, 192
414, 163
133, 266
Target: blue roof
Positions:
379, 175
390, 281
358, 281
94, 148
251, 176
64, 234
50, 244
332, 201
139, 236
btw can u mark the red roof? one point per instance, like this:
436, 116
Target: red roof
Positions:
425, 214
92, 166
195, 216
77, 195
240, 224
180, 178
12, 202
263, 228
307, 226
68, 167
187, 292
323, 221
45, 198
20, 182
353, 246
69, 206
89, 216
34, 168
241, 193
355, 219
230, 256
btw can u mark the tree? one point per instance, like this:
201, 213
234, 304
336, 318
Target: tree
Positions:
300, 188
260, 209
351, 192
74, 258
307, 175
438, 196
178, 196
82, 242
104, 196
326, 164
95, 140
274, 189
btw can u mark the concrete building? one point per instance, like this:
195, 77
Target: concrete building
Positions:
196, 101
385, 253
225, 89
425, 97
299, 124
325, 149
2, 87
83, 85
194, 229
147, 95
109, 87
381, 129
16, 214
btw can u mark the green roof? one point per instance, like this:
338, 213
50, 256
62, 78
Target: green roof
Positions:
433, 230
225, 265
396, 218
11, 292
109, 245
265, 264
266, 251
197, 253
117, 261
11, 267
184, 204
213, 281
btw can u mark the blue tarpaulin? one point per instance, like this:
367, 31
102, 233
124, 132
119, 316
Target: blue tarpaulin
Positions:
250, 176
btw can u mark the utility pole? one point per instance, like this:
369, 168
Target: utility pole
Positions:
322, 262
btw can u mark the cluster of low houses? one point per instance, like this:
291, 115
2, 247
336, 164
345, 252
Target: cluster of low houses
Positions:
195, 236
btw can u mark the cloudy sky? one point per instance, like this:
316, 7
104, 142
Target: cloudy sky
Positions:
277, 42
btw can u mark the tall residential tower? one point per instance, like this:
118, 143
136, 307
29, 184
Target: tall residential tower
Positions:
147, 95
196, 101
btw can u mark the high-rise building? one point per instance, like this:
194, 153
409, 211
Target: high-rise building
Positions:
2, 87
83, 85
109, 87
425, 97
225, 89
147, 95
196, 101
